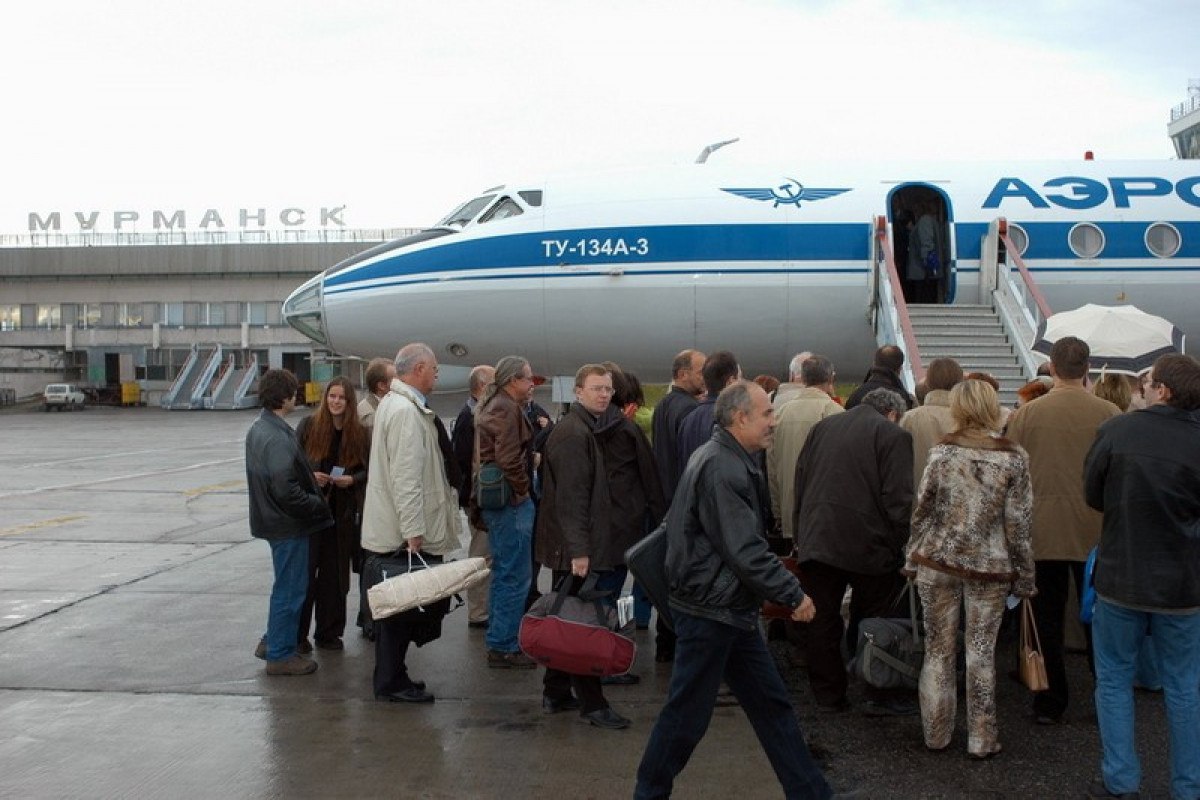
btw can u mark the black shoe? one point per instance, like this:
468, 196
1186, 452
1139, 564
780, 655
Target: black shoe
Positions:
303, 647
628, 679
552, 706
260, 650
330, 644
606, 718
413, 694
664, 655
1097, 789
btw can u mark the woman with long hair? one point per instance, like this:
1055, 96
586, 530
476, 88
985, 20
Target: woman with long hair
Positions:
970, 546
337, 446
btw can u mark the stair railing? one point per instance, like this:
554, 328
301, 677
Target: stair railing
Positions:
181, 380
1021, 305
889, 311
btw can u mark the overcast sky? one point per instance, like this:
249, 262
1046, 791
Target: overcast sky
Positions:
399, 110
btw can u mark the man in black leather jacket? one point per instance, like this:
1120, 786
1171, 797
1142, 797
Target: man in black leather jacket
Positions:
286, 507
720, 570
1142, 473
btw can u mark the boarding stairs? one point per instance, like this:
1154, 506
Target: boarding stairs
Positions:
192, 385
974, 336
234, 386
992, 335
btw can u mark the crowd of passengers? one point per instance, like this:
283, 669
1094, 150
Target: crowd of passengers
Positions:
972, 503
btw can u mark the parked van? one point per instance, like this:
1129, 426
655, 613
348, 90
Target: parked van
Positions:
62, 395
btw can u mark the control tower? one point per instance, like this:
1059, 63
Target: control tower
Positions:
1184, 127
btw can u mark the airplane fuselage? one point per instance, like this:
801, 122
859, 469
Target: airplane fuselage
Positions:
635, 266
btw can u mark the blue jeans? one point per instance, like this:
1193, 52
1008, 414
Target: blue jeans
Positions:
290, 559
1118, 633
510, 533
705, 652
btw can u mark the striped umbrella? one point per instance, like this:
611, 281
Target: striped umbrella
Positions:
1123, 339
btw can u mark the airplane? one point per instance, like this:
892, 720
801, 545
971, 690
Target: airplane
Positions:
635, 265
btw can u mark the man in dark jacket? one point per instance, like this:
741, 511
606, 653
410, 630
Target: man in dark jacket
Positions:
853, 502
884, 374
720, 370
286, 507
1142, 473
462, 442
687, 382
575, 533
720, 570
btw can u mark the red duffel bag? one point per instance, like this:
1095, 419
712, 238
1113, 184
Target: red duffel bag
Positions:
578, 634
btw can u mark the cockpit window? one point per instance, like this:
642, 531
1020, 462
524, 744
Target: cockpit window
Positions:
532, 197
466, 212
507, 207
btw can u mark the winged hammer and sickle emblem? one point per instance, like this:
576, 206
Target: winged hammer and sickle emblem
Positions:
790, 193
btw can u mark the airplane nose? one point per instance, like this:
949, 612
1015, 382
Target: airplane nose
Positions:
304, 310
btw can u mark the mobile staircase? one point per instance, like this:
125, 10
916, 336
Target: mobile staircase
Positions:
993, 335
234, 387
194, 380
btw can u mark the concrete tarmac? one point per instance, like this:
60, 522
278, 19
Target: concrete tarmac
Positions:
132, 596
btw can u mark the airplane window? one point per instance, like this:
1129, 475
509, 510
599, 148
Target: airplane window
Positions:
466, 212
532, 197
507, 207
1019, 237
1163, 239
1086, 240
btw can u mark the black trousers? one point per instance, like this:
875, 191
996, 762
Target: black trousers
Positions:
871, 596
1049, 610
328, 585
558, 685
392, 638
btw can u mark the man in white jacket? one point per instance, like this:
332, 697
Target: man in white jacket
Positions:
409, 504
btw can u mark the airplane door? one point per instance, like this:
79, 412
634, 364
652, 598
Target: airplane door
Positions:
922, 216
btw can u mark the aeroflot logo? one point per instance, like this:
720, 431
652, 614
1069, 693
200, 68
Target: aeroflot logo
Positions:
792, 192
1079, 193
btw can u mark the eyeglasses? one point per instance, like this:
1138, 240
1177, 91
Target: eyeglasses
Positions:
600, 389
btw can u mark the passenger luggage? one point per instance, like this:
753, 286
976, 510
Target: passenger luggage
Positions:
420, 591
890, 652
647, 562
578, 634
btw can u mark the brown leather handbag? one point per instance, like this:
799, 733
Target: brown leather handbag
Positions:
1032, 666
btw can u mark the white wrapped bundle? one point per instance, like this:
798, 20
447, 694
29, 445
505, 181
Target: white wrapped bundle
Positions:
424, 586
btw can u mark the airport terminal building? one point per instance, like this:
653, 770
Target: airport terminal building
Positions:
109, 308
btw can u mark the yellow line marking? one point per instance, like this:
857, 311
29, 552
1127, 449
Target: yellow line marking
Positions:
46, 523
216, 487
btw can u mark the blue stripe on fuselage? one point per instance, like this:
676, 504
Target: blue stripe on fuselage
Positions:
663, 244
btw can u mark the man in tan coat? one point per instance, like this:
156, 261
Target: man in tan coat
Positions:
931, 421
1057, 429
810, 403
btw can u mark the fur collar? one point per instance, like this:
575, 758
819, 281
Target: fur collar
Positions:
979, 441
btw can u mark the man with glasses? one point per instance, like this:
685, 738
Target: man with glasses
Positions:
574, 527
1142, 473
503, 437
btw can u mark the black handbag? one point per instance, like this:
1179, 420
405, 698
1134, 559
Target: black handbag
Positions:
424, 622
647, 562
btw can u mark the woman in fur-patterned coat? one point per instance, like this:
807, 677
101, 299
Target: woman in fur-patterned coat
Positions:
970, 545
